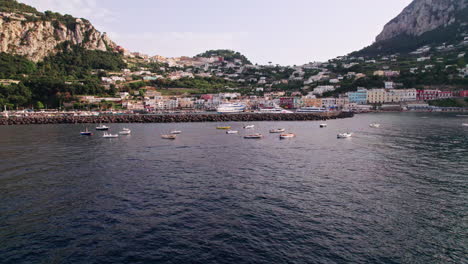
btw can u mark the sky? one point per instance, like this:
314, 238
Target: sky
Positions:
286, 32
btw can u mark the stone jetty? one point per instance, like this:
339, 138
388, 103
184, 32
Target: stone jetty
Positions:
174, 118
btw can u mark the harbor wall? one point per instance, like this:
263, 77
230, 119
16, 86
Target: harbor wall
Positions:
174, 118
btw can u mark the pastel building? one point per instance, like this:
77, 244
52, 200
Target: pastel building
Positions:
358, 97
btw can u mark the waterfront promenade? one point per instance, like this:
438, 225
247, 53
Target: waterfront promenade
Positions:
173, 118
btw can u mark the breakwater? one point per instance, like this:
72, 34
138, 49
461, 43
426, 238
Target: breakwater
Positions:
174, 118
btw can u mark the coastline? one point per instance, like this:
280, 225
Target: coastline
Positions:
174, 118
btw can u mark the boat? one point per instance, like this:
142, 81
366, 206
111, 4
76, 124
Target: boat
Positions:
86, 133
223, 127
253, 136
374, 125
170, 136
176, 132
277, 130
323, 125
249, 126
274, 110
102, 127
107, 135
287, 135
311, 109
232, 132
465, 124
125, 131
344, 135
231, 108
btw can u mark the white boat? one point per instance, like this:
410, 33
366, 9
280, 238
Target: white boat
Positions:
249, 126
107, 135
169, 136
375, 125
287, 135
311, 109
125, 131
231, 108
102, 127
232, 132
274, 110
344, 135
323, 125
253, 136
176, 132
277, 130
465, 124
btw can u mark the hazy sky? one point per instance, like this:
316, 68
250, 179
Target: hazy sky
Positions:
281, 31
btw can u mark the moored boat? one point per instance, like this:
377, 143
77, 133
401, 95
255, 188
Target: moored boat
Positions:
170, 136
375, 125
323, 125
249, 126
223, 127
287, 135
125, 131
231, 108
253, 136
465, 124
232, 132
277, 130
107, 135
344, 135
102, 127
176, 132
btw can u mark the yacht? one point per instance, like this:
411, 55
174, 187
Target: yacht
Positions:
107, 135
125, 131
231, 108
465, 124
311, 109
86, 133
287, 135
102, 127
277, 130
249, 126
176, 132
374, 125
344, 135
274, 110
232, 132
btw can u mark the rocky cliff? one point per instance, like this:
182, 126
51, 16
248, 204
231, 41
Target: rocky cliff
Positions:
422, 16
36, 38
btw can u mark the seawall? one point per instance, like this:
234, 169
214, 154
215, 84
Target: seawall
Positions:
174, 118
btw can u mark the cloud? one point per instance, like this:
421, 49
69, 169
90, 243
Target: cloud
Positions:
88, 9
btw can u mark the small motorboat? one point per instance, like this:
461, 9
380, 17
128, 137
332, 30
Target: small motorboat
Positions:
323, 125
465, 124
102, 127
344, 135
232, 132
254, 136
277, 130
170, 136
176, 132
374, 125
107, 135
125, 131
249, 126
86, 133
223, 127
287, 135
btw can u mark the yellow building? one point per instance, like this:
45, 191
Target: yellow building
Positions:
312, 102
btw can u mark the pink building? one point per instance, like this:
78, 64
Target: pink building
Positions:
445, 94
287, 102
463, 93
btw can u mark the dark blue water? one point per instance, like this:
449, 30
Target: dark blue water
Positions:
397, 194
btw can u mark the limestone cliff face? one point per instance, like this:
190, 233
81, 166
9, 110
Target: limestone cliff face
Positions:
38, 39
422, 16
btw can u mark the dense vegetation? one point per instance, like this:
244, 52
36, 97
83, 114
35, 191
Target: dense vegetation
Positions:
459, 102
228, 55
15, 6
14, 66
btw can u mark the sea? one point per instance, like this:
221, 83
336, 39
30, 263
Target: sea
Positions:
394, 194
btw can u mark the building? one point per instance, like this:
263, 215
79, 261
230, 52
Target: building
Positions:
376, 96
425, 95
389, 85
445, 94
464, 93
407, 95
358, 97
312, 102
323, 89
287, 102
